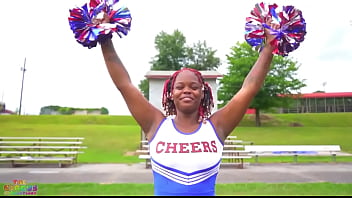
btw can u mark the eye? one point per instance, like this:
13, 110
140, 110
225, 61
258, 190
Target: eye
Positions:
179, 87
195, 87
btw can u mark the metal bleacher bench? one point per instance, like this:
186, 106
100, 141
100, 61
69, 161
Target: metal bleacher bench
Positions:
293, 150
24, 150
233, 153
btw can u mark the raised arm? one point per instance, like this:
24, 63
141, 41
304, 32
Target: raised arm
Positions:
146, 115
228, 117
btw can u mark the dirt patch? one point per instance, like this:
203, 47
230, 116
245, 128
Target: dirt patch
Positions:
130, 153
266, 117
263, 117
295, 124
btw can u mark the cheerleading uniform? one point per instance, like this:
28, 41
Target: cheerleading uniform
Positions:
185, 163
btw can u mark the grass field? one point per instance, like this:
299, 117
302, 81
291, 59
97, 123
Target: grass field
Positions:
113, 139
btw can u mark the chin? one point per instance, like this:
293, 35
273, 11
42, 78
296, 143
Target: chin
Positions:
188, 109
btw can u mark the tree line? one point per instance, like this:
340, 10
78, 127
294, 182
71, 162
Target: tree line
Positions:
52, 109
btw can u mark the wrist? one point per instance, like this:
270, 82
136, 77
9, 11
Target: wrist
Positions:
268, 48
104, 39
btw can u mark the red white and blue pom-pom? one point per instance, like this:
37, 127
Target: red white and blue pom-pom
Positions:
88, 32
288, 37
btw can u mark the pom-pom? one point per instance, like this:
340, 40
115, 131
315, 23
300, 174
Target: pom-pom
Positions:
288, 37
90, 26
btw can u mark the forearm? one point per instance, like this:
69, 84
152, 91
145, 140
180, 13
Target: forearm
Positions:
255, 78
115, 67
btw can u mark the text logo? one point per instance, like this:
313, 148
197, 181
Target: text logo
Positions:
20, 187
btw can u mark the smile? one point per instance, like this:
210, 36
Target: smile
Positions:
186, 99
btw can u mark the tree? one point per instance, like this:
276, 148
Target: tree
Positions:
104, 111
202, 57
49, 110
144, 87
279, 82
172, 51
173, 54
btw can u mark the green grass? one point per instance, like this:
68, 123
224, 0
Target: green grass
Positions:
297, 135
75, 189
69, 119
114, 139
305, 119
106, 143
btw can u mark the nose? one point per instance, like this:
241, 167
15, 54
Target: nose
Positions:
186, 90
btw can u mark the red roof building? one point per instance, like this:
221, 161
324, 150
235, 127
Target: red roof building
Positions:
320, 102
4, 111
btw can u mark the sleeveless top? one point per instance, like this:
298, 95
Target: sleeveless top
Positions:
185, 163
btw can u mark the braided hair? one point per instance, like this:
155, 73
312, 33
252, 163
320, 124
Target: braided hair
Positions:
206, 104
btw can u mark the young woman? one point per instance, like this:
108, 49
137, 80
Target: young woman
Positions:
186, 148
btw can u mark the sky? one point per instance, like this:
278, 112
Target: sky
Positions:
60, 71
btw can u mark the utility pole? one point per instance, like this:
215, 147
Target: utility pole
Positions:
23, 69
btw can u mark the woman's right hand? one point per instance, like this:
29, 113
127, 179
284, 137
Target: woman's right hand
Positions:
270, 37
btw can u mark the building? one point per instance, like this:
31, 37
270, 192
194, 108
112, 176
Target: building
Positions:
320, 103
57, 110
87, 112
4, 111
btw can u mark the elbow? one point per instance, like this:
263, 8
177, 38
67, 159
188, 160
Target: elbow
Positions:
124, 87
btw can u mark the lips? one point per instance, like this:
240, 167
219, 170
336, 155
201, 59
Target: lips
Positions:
186, 99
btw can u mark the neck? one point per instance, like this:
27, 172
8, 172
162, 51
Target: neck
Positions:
186, 123
186, 118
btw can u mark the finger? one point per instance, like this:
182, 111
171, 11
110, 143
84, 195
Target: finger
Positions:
269, 20
275, 26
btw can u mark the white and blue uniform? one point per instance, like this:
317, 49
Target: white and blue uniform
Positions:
185, 163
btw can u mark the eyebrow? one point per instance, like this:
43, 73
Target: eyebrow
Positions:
191, 83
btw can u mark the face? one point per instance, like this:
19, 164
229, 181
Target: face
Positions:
187, 92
